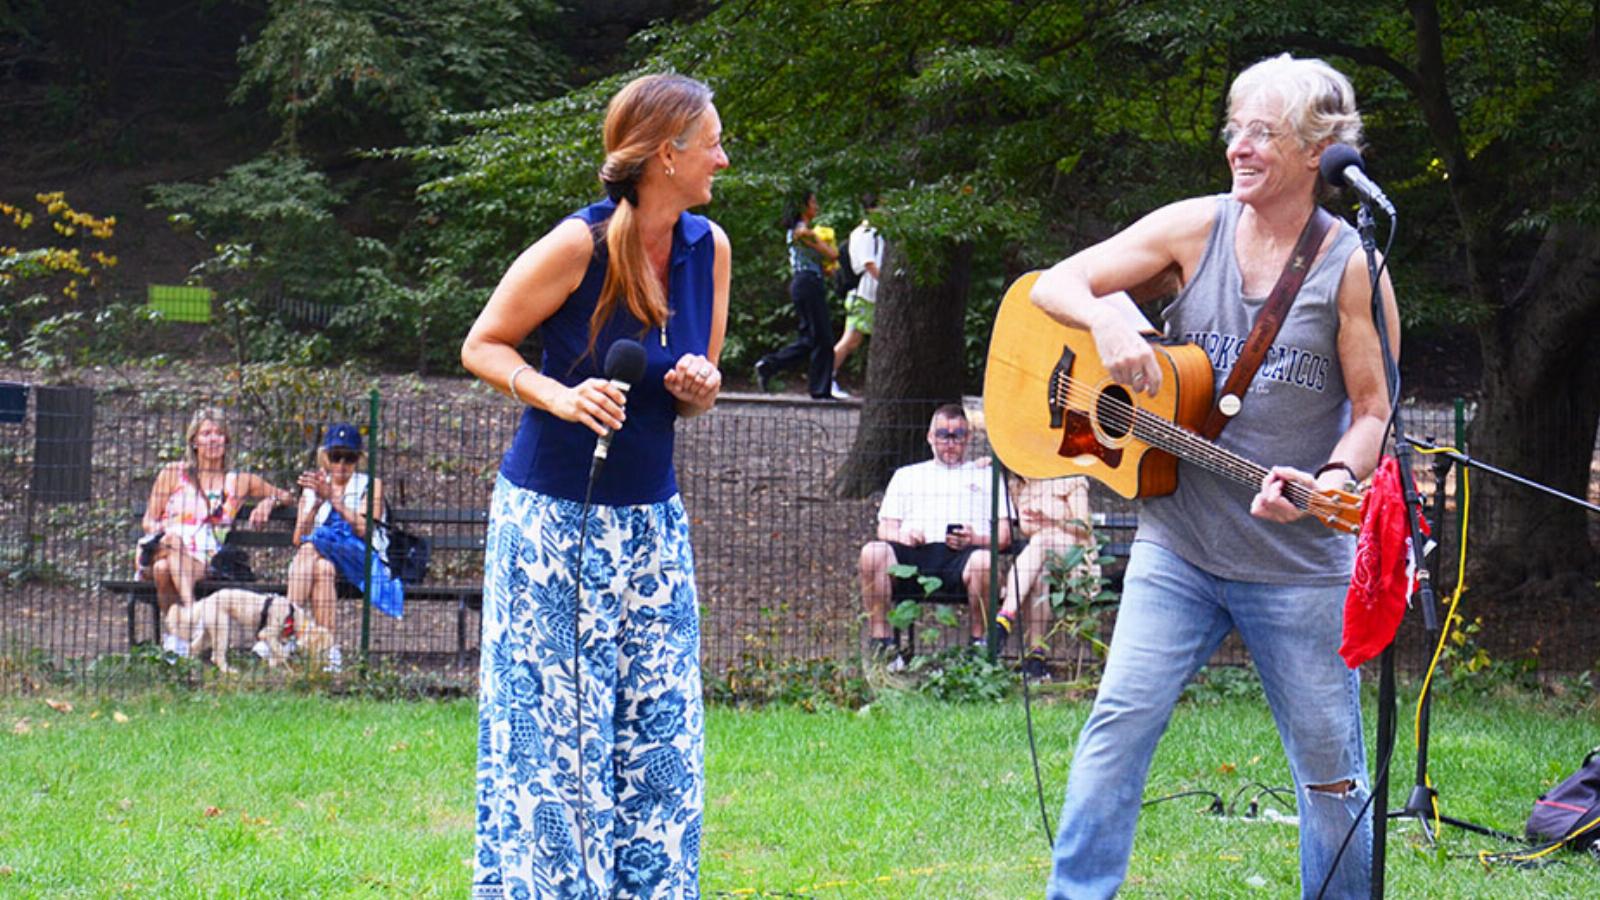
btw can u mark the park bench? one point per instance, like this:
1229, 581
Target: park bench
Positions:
449, 530
1116, 527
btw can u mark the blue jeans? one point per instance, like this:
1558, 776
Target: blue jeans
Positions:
1173, 617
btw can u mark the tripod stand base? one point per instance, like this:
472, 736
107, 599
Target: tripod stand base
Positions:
1420, 807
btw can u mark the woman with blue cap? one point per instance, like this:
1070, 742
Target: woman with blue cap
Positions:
330, 532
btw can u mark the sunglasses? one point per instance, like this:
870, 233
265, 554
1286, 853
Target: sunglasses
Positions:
950, 434
343, 456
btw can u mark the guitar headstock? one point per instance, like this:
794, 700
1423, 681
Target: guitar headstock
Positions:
1339, 510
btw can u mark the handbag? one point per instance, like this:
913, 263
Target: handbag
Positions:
231, 563
1569, 813
408, 554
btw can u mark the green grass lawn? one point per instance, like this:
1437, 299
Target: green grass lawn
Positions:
287, 795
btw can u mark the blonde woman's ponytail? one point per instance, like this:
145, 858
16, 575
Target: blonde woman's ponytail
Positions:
646, 113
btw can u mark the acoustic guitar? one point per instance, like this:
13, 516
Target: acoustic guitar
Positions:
1052, 409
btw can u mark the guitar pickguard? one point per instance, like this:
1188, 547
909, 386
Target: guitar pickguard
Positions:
1078, 440
1077, 430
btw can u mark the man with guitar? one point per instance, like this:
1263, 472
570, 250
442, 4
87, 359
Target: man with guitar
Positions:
1208, 557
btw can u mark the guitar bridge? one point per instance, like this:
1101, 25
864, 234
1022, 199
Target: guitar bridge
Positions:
1060, 377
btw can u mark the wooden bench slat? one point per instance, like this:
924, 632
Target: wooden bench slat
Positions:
457, 515
247, 537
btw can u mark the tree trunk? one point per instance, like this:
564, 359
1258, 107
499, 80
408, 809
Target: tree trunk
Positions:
1537, 419
1541, 382
914, 363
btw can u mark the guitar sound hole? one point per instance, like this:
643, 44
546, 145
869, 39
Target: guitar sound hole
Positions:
1113, 411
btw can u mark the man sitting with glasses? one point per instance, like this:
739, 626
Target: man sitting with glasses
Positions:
934, 516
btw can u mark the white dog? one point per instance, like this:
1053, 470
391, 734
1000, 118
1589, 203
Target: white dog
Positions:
270, 617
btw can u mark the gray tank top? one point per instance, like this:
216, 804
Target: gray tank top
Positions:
1294, 412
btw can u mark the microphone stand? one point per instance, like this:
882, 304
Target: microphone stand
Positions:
1423, 797
1423, 801
1413, 505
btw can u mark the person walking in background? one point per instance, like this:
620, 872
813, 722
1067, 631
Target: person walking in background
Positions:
808, 254
590, 782
1208, 559
865, 253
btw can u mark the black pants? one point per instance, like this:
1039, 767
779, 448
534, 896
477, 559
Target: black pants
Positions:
815, 342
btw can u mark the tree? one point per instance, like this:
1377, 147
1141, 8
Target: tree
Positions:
1541, 391
332, 60
1003, 135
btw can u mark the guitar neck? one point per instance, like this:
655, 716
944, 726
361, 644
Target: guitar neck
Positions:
1192, 448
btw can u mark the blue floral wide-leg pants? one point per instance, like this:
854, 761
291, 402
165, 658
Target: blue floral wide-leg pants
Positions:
643, 728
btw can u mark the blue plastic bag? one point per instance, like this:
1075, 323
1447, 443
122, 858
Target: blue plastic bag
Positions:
340, 545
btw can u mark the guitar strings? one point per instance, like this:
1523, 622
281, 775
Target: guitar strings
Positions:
1164, 434
1160, 432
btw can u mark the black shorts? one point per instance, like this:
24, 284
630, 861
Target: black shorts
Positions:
935, 559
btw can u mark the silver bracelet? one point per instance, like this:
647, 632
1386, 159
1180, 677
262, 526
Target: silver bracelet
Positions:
512, 381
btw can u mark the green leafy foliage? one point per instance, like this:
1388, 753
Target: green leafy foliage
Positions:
272, 219
811, 685
1213, 685
961, 675
907, 613
279, 240
1081, 600
336, 60
51, 265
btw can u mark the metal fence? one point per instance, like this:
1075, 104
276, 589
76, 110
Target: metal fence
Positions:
776, 546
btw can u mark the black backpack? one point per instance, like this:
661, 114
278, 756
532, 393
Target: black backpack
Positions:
1570, 811
845, 278
409, 554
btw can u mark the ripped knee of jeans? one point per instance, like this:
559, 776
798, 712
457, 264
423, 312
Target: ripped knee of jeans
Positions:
1339, 789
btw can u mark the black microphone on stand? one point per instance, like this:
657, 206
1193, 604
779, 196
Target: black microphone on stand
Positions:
624, 367
1342, 166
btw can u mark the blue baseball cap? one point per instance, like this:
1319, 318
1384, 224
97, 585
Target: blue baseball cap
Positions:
343, 436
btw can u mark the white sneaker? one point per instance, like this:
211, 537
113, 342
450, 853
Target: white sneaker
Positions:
261, 649
895, 666
175, 645
840, 393
335, 663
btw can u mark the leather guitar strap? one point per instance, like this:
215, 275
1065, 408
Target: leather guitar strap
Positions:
1268, 321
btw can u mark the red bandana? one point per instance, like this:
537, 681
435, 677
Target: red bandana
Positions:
1384, 577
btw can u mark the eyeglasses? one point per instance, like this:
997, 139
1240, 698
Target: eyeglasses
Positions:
950, 434
1258, 132
340, 457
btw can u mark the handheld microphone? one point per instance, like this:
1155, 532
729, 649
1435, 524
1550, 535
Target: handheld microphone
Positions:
624, 367
1342, 166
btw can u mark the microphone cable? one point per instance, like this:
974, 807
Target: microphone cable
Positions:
625, 363
577, 677
1020, 624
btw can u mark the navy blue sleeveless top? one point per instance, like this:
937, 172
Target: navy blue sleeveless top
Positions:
552, 456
